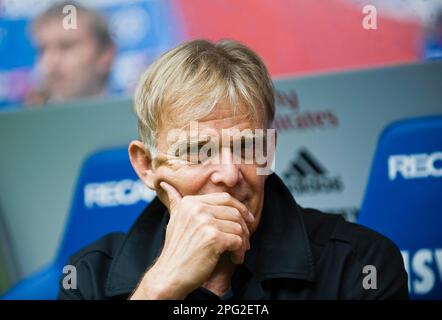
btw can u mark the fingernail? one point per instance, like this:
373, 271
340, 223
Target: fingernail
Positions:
251, 216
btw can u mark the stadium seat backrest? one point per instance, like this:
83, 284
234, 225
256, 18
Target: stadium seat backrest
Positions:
403, 199
108, 197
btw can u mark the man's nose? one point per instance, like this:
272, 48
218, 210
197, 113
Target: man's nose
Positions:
50, 59
226, 172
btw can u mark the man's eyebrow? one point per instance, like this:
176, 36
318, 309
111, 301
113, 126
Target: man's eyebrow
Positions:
201, 140
248, 136
193, 142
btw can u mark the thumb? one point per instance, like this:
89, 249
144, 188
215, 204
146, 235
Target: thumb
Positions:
172, 193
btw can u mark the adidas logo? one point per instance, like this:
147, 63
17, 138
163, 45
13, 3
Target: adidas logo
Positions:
306, 175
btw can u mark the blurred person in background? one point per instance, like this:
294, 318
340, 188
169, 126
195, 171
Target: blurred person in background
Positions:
74, 63
433, 49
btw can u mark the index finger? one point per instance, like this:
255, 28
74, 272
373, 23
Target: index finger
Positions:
224, 198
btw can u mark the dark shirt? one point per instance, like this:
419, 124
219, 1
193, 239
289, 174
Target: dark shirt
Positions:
296, 253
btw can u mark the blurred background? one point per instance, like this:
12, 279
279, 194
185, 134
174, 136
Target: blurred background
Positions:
344, 70
293, 37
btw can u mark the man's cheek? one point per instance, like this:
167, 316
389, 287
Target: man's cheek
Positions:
163, 173
179, 180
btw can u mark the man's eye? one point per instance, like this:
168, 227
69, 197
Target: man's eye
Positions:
207, 151
246, 148
192, 155
67, 45
196, 154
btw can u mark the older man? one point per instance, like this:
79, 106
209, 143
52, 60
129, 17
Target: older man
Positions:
222, 226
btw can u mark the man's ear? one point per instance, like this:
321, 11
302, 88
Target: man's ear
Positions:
276, 138
106, 59
141, 161
274, 150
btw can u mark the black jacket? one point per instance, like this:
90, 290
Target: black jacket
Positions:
295, 253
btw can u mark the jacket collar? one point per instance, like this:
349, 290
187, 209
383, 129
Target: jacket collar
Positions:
279, 247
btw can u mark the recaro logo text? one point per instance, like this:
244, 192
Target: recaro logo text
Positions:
116, 193
421, 165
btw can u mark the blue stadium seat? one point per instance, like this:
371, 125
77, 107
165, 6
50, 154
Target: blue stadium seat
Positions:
403, 199
108, 197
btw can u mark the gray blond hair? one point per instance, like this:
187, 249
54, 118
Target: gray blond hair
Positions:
187, 82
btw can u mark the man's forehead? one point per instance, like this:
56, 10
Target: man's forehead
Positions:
53, 26
226, 122
223, 120
224, 109
224, 116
